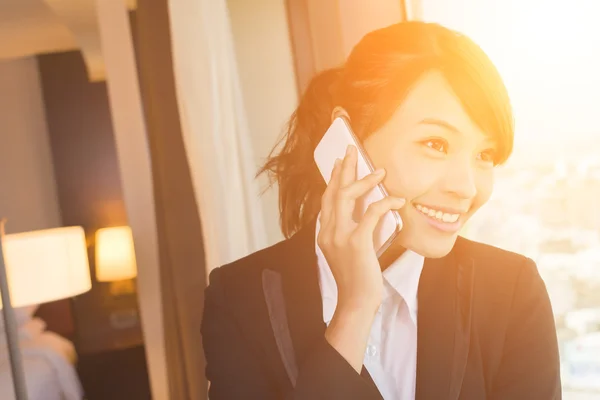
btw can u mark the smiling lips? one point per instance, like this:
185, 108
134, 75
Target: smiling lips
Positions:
444, 221
437, 214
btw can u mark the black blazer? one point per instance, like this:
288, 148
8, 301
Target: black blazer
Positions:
485, 329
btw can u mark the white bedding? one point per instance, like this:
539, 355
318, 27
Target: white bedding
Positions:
48, 363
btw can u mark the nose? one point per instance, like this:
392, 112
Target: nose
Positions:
460, 178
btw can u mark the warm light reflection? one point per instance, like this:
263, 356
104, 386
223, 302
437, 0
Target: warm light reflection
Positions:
548, 53
115, 256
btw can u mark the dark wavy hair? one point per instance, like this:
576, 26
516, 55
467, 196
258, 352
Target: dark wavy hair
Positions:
370, 86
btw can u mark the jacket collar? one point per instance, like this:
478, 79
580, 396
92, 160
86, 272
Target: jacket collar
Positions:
444, 303
444, 324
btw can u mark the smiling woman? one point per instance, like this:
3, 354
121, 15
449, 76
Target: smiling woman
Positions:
319, 315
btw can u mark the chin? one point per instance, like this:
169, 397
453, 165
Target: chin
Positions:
431, 247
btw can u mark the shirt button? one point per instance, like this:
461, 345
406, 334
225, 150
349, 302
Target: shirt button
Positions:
371, 350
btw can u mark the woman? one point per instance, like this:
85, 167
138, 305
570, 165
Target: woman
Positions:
319, 316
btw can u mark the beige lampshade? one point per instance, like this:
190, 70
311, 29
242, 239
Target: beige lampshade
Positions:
46, 265
115, 256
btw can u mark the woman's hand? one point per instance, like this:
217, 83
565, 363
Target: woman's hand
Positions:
347, 244
349, 249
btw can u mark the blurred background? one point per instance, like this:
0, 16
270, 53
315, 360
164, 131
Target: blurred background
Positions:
144, 122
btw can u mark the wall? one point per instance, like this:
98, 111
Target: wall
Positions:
325, 31
28, 193
88, 184
27, 187
266, 68
108, 338
357, 18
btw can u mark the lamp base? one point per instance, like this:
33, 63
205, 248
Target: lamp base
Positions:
120, 288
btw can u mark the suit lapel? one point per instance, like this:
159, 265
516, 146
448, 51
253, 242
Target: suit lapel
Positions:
444, 325
302, 294
293, 299
294, 302
465, 281
273, 291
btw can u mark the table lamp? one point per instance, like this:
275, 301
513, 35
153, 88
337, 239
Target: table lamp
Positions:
115, 256
38, 267
115, 259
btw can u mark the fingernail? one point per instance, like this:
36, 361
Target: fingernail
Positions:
349, 149
379, 172
337, 162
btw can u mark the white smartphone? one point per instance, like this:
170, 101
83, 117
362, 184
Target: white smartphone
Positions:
333, 145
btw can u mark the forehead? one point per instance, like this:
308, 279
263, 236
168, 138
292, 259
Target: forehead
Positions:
432, 98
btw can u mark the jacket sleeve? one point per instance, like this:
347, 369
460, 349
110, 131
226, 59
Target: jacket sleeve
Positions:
530, 367
235, 372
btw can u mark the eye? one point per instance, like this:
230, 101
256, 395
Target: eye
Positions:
439, 145
487, 156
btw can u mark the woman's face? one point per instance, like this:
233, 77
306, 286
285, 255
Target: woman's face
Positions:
438, 160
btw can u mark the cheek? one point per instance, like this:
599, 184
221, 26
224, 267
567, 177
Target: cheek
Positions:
409, 173
485, 187
411, 176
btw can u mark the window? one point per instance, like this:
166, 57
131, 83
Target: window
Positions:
546, 202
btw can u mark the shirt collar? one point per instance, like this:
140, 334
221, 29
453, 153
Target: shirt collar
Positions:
401, 278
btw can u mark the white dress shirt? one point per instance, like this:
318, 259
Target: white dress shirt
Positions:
391, 353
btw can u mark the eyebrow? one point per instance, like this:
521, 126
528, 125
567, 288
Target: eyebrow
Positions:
440, 123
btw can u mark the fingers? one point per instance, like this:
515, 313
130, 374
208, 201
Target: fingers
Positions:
363, 186
347, 196
345, 205
343, 174
328, 198
348, 172
339, 199
374, 213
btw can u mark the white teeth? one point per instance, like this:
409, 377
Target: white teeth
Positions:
439, 215
450, 217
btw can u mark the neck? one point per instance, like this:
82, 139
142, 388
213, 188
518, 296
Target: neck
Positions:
390, 255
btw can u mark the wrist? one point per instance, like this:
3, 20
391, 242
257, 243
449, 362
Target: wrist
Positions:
361, 305
348, 333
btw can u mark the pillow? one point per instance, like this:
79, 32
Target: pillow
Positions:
22, 314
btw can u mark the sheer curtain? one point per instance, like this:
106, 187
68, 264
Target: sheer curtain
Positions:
215, 131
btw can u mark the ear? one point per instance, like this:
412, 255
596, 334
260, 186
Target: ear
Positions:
339, 112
